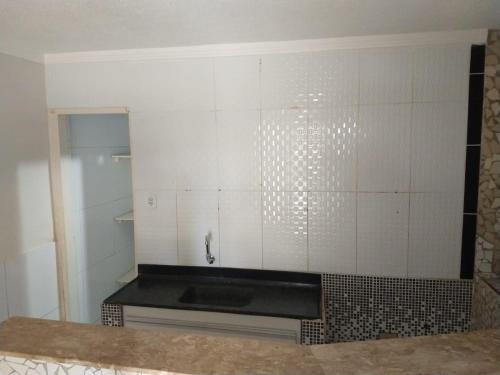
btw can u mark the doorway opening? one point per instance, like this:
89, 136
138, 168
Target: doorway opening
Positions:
91, 181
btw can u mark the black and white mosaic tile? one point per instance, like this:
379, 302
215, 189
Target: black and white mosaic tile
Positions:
112, 315
312, 332
370, 307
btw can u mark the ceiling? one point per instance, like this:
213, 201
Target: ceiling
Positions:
30, 28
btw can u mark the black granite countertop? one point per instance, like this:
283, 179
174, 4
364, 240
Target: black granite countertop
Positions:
254, 292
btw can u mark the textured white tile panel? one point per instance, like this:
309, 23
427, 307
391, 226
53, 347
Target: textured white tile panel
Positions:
237, 82
382, 234
197, 216
97, 84
386, 75
241, 229
239, 149
439, 132
284, 81
332, 149
31, 280
155, 228
284, 150
441, 73
174, 150
285, 230
435, 235
154, 147
171, 85
384, 148
332, 232
333, 78
196, 136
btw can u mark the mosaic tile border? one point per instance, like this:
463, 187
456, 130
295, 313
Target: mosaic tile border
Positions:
312, 332
488, 218
485, 306
370, 307
112, 315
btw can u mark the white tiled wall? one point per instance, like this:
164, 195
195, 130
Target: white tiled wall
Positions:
315, 161
285, 230
31, 282
384, 148
435, 218
155, 227
197, 218
239, 149
386, 75
240, 218
27, 256
382, 233
332, 149
100, 189
332, 232
438, 134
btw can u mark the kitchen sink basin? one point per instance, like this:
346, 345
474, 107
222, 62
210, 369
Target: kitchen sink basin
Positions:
217, 295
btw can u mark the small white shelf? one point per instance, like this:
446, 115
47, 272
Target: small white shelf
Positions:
128, 277
127, 216
118, 157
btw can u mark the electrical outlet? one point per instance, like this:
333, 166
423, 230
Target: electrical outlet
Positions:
151, 201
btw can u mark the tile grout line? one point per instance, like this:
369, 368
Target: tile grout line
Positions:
261, 140
410, 154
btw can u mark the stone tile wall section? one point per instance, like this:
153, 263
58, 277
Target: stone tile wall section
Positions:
485, 304
488, 218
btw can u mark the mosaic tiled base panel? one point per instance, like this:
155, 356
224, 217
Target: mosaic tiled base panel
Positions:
368, 307
22, 366
485, 306
112, 315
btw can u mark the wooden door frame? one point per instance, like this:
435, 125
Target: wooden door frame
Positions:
56, 187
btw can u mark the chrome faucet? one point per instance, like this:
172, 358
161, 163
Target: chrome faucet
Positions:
209, 256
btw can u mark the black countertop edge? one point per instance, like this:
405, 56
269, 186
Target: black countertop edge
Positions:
236, 273
229, 311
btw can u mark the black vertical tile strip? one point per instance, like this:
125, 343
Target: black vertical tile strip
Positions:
471, 178
477, 54
468, 247
475, 114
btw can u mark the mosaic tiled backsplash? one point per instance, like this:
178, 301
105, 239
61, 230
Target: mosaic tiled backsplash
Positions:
370, 307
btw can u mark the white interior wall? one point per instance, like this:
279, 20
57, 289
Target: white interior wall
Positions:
99, 189
347, 161
28, 280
